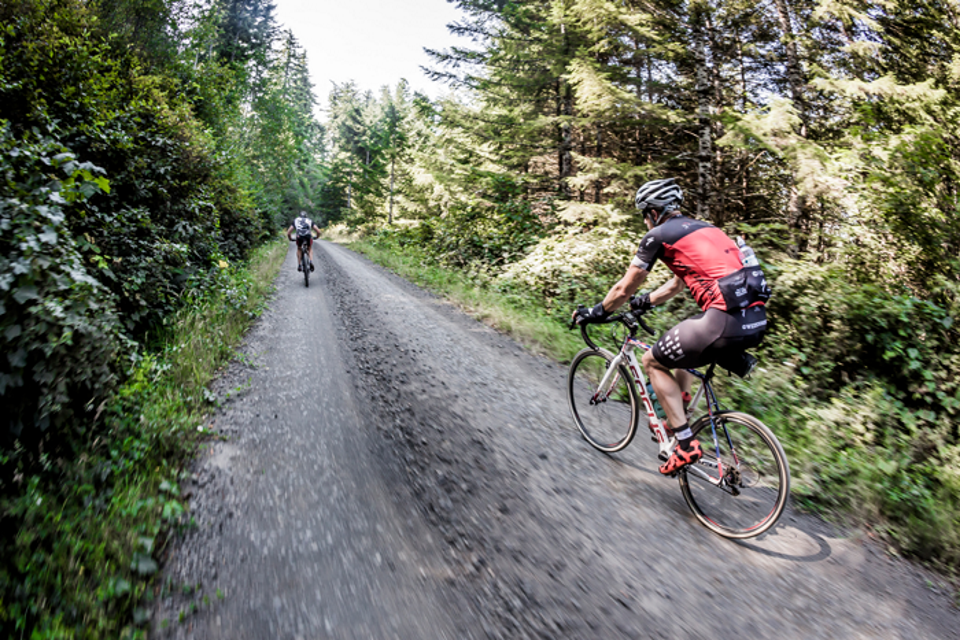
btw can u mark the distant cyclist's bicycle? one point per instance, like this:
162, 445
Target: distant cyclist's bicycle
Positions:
304, 261
738, 489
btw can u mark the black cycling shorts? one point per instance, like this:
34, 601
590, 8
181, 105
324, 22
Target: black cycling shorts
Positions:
305, 240
709, 337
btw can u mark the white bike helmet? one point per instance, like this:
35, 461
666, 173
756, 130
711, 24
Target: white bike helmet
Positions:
660, 196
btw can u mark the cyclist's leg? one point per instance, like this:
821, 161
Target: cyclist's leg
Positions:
310, 251
685, 380
681, 347
299, 254
668, 389
673, 388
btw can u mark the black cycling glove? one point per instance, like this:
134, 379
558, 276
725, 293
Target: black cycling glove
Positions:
588, 316
641, 303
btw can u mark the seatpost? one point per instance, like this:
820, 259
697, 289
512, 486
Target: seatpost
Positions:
709, 374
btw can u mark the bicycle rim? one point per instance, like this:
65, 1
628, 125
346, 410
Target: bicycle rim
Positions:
756, 477
607, 417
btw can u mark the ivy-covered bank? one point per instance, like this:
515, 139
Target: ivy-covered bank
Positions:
87, 530
147, 149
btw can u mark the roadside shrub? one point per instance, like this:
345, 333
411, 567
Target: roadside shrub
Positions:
173, 209
59, 331
838, 331
111, 205
859, 382
566, 269
83, 536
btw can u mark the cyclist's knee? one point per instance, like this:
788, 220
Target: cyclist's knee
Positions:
683, 378
649, 362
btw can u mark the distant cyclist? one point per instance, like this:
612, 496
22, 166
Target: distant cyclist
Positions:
305, 228
732, 297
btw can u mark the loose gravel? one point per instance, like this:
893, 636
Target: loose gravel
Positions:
393, 468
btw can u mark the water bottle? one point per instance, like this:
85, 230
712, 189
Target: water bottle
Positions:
747, 256
657, 409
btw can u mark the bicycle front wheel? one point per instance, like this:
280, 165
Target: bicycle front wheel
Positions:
606, 415
741, 492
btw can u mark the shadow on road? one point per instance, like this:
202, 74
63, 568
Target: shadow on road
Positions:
789, 543
784, 541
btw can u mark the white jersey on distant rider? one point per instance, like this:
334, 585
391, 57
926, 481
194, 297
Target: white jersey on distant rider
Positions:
303, 226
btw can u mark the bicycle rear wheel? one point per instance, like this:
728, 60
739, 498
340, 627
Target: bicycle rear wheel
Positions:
756, 477
607, 417
305, 263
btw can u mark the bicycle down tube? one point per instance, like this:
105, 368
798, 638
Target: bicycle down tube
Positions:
656, 425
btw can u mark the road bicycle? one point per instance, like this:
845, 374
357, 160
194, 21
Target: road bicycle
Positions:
304, 261
738, 489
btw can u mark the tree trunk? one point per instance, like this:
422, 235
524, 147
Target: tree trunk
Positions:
795, 204
794, 70
349, 187
566, 129
390, 213
597, 186
705, 95
581, 192
566, 138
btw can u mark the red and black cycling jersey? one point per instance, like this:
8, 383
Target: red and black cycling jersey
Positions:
696, 251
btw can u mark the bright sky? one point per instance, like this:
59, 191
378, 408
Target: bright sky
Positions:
373, 42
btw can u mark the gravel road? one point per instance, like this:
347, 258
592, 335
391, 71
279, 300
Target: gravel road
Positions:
391, 468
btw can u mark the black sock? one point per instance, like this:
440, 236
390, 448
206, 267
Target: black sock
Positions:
684, 436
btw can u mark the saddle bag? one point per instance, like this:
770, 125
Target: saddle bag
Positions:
744, 287
739, 363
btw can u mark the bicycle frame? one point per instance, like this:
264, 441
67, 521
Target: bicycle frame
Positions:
756, 469
665, 441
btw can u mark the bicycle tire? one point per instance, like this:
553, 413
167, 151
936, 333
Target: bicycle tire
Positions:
611, 424
756, 501
305, 263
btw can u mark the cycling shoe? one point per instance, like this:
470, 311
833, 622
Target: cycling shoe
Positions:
682, 457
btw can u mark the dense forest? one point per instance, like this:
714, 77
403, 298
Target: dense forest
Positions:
147, 147
824, 131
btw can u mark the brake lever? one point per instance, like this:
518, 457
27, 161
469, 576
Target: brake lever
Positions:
646, 327
573, 320
637, 318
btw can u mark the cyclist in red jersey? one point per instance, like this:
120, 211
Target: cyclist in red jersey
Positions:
704, 259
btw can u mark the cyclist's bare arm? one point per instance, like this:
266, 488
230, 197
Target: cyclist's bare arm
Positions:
316, 231
289, 231
626, 287
630, 283
670, 288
